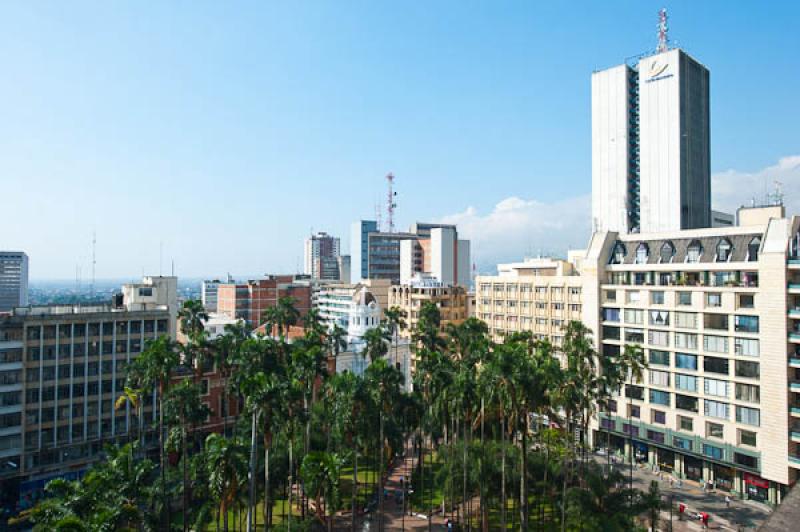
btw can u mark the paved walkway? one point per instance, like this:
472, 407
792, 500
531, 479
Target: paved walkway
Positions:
742, 514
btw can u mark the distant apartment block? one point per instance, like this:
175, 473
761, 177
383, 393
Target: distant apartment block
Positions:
452, 301
539, 296
432, 249
248, 301
321, 257
13, 280
337, 302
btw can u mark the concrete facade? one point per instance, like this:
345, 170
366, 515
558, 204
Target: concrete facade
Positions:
13, 280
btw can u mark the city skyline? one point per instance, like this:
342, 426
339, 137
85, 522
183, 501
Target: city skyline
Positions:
136, 130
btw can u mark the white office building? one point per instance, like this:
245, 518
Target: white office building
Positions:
650, 145
13, 280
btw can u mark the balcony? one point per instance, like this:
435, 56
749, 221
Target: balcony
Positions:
794, 313
794, 411
794, 263
794, 435
794, 337
794, 461
794, 288
794, 387
794, 362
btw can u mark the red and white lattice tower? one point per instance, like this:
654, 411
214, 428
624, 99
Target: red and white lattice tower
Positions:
663, 41
390, 203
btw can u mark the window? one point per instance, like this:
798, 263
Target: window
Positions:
712, 451
724, 249
618, 255
714, 430
745, 460
659, 398
641, 253
748, 416
745, 368
634, 317
748, 324
611, 314
629, 429
747, 437
659, 318
685, 423
686, 320
660, 358
715, 344
685, 340
610, 350
666, 252
682, 443
611, 333
716, 409
634, 411
748, 392
634, 392
684, 298
655, 436
659, 338
713, 299
715, 365
715, 387
659, 378
633, 296
746, 347
753, 248
657, 297
611, 295
716, 321
686, 382
684, 361
685, 402
657, 416
635, 336
694, 251
746, 301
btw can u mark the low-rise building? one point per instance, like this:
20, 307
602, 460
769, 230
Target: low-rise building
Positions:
536, 295
452, 302
248, 301
337, 302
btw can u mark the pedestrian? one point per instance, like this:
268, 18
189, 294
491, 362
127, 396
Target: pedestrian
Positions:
728, 501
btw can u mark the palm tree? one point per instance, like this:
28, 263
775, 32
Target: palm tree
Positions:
226, 462
376, 343
320, 472
395, 322
337, 341
633, 364
133, 397
281, 317
154, 368
184, 408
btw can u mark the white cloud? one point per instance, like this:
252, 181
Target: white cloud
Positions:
731, 189
517, 227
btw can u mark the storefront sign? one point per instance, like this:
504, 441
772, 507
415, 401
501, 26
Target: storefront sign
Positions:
756, 481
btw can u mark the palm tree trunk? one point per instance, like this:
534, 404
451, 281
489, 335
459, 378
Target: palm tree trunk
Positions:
291, 485
380, 471
355, 488
251, 475
185, 477
267, 486
523, 479
165, 501
503, 472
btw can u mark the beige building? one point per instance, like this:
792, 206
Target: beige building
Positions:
452, 301
536, 295
717, 312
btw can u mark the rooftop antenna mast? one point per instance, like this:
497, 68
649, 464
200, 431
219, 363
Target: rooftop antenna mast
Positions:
94, 260
663, 40
390, 203
378, 216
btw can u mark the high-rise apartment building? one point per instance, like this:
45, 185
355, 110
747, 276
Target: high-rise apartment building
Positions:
650, 145
248, 301
716, 312
432, 249
61, 370
13, 280
321, 257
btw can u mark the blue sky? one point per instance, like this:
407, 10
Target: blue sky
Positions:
227, 130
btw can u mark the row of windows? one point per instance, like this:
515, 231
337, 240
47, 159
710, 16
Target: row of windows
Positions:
711, 408
107, 328
694, 252
685, 320
511, 289
51, 352
713, 387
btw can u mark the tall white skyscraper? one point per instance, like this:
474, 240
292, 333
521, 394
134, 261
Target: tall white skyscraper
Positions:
650, 145
13, 280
